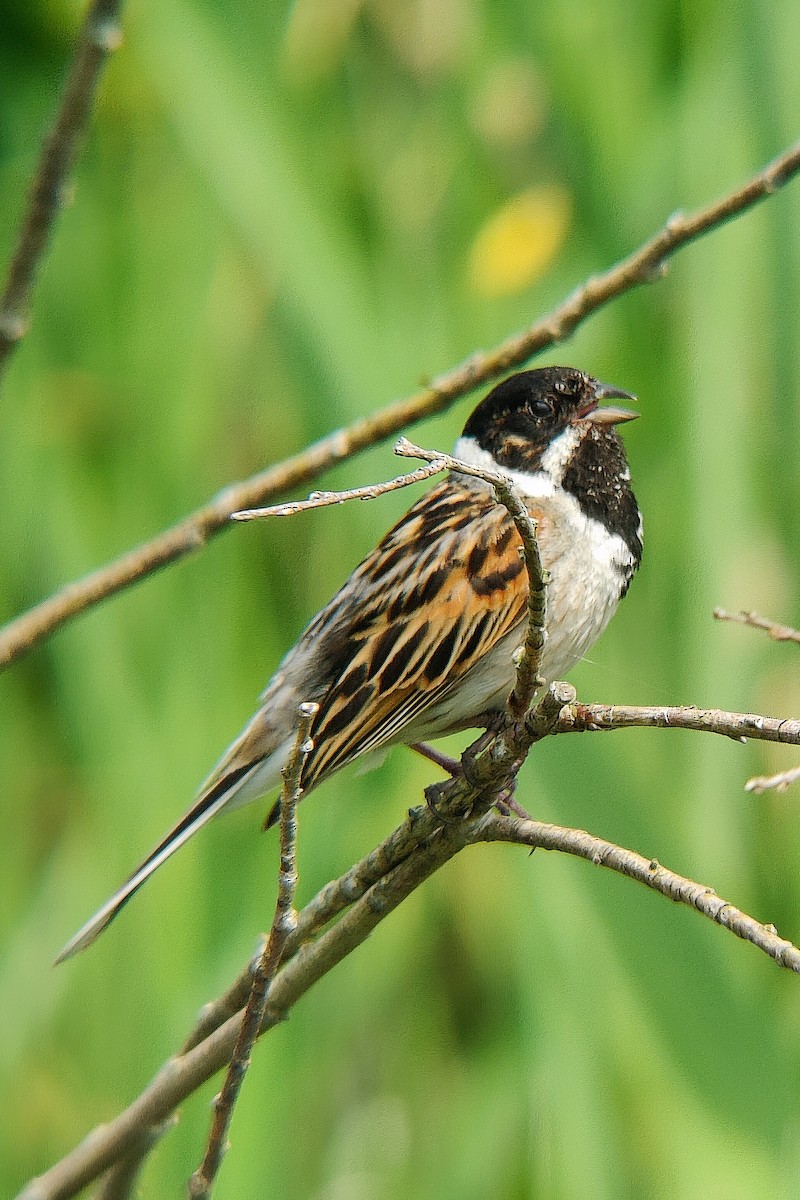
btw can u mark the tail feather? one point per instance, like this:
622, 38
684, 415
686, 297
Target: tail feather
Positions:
207, 806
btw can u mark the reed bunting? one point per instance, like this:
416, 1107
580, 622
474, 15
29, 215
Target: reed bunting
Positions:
419, 641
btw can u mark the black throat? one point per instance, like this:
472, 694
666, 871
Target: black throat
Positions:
598, 477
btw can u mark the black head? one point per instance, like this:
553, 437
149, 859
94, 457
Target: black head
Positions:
549, 423
524, 414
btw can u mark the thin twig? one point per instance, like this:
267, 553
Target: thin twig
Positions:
529, 657
647, 871
777, 783
738, 726
323, 499
781, 633
100, 34
644, 265
284, 923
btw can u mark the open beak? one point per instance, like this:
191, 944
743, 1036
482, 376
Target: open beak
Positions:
610, 414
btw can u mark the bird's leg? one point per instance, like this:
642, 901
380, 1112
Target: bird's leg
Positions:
451, 765
490, 722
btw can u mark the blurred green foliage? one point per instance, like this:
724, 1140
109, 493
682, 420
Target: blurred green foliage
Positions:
270, 237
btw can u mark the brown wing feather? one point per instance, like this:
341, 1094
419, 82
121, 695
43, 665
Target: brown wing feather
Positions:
441, 589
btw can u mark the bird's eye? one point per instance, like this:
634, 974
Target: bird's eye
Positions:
541, 407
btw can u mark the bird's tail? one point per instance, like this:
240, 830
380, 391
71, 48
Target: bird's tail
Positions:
211, 801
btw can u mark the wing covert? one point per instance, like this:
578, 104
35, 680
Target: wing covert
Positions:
441, 589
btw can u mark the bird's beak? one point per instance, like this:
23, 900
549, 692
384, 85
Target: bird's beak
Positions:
611, 414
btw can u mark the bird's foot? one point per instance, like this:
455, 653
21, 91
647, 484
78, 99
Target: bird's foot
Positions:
505, 801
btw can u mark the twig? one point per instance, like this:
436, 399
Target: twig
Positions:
738, 726
100, 34
778, 783
529, 657
647, 871
781, 633
284, 923
323, 499
644, 265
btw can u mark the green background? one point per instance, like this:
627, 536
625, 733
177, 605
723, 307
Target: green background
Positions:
269, 238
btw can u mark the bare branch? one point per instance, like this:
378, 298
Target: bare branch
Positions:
100, 34
529, 656
778, 783
738, 726
283, 924
780, 633
323, 499
644, 265
339, 894
647, 871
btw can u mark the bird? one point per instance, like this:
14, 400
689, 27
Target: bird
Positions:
420, 640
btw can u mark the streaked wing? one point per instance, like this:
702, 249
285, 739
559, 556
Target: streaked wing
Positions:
441, 589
